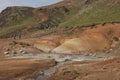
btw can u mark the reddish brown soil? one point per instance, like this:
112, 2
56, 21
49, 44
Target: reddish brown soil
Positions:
11, 45
105, 70
23, 69
74, 40
100, 37
92, 38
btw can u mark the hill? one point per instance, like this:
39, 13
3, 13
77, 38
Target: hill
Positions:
95, 12
20, 21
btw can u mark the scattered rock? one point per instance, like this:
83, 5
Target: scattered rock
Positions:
24, 52
67, 60
94, 55
110, 49
90, 54
49, 56
61, 56
14, 52
86, 54
6, 53
107, 51
21, 51
7, 49
42, 73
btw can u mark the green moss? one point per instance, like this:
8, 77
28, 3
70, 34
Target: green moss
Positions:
20, 21
115, 38
95, 14
16, 25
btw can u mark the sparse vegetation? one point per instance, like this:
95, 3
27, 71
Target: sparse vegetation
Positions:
96, 13
78, 13
115, 38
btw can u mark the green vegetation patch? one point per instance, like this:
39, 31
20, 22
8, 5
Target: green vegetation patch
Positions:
95, 14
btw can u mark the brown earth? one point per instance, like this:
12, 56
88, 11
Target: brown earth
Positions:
17, 69
104, 70
17, 47
97, 38
40, 37
92, 38
100, 37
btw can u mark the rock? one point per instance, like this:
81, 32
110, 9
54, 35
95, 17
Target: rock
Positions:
7, 49
110, 49
87, 54
24, 52
67, 60
49, 56
14, 52
41, 73
90, 54
94, 55
6, 53
20, 51
61, 56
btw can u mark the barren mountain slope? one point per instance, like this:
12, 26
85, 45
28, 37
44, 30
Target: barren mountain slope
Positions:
20, 21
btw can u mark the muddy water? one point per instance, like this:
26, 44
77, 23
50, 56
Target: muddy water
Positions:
61, 59
50, 71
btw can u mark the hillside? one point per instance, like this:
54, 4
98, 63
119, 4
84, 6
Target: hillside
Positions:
21, 21
68, 40
95, 12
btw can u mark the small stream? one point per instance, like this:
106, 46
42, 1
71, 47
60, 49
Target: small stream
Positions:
47, 73
61, 59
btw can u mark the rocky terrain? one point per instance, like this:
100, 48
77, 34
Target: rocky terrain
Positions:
69, 40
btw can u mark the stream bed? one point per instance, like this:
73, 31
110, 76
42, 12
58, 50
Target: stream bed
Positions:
61, 61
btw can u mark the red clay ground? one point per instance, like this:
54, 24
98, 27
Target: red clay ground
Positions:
86, 39
101, 37
67, 41
22, 69
104, 70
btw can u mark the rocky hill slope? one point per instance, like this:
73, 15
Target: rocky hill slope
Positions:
20, 21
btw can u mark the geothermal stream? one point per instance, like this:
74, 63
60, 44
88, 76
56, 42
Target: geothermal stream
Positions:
61, 59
